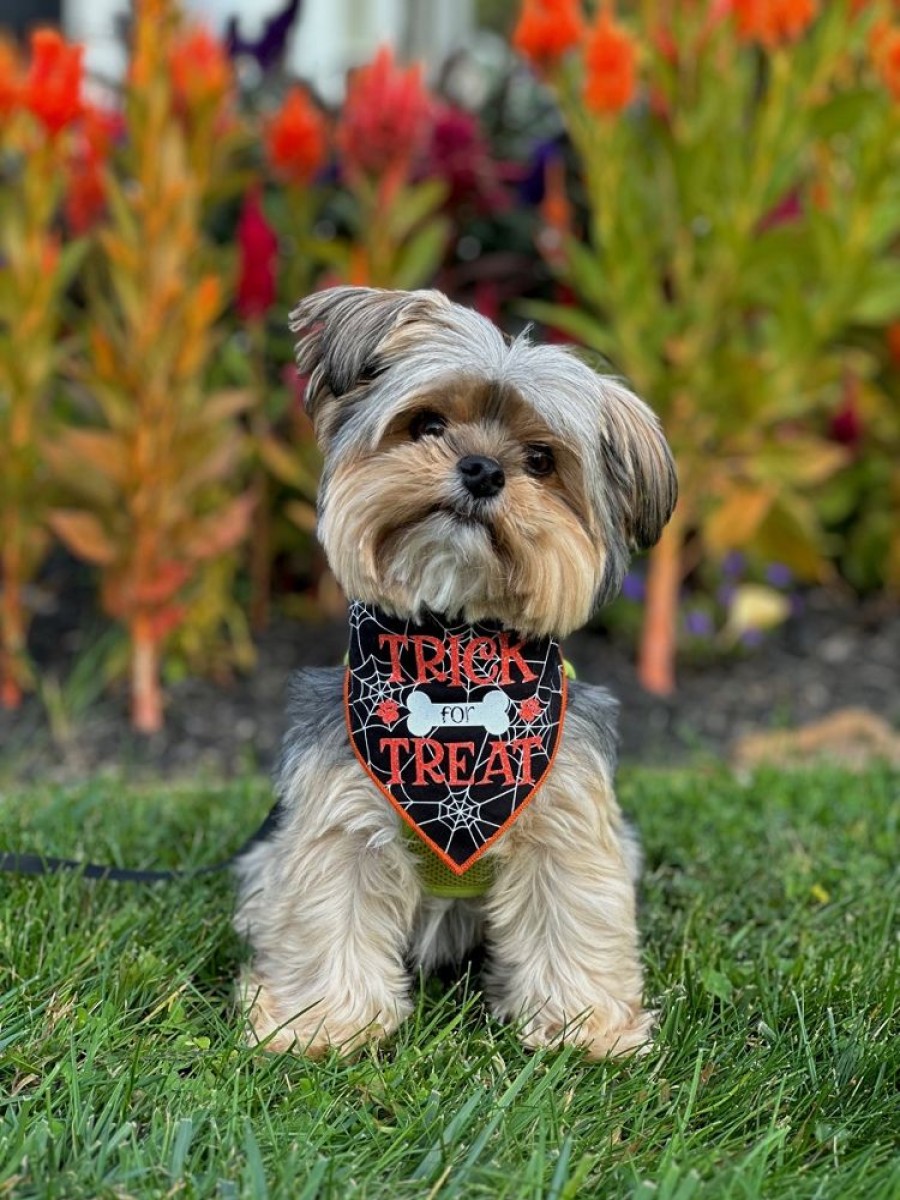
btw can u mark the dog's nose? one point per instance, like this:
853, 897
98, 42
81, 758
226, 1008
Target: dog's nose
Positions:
482, 476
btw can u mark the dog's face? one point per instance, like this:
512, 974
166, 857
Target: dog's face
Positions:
469, 475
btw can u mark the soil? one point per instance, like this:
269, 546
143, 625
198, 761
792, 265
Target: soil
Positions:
836, 654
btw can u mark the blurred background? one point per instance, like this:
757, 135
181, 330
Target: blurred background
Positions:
702, 196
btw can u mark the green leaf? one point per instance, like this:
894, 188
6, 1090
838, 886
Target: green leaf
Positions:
413, 205
421, 256
584, 270
573, 321
880, 298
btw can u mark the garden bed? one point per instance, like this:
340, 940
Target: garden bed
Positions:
836, 654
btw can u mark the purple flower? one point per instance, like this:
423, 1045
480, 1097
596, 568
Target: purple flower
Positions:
698, 623
733, 565
752, 637
634, 587
779, 575
725, 594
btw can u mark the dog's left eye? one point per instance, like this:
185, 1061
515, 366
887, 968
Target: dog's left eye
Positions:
427, 424
539, 460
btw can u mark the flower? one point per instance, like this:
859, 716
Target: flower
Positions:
892, 338
698, 623
772, 22
547, 29
458, 153
10, 83
86, 194
199, 66
386, 116
530, 709
886, 53
388, 711
779, 575
258, 247
52, 88
610, 67
295, 138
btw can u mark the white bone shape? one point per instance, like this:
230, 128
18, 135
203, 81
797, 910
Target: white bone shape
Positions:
489, 713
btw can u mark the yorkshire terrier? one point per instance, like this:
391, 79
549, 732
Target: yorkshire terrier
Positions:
450, 787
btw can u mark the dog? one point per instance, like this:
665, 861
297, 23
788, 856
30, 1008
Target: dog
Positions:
480, 498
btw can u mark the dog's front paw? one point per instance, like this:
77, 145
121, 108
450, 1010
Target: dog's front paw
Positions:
321, 1027
597, 1034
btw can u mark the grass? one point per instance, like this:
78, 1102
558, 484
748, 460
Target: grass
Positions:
769, 914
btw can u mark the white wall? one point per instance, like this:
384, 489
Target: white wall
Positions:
330, 37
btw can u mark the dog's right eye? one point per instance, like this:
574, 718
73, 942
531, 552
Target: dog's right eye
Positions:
427, 424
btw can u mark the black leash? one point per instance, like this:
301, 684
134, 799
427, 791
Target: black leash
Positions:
41, 864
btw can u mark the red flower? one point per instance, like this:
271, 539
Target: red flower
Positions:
295, 138
388, 711
530, 709
459, 154
52, 88
772, 22
547, 29
200, 68
386, 116
258, 247
610, 67
10, 83
86, 195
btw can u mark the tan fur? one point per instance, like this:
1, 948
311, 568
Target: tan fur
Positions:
387, 523
331, 902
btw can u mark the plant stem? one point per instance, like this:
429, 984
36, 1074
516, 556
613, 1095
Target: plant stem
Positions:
146, 694
656, 655
12, 627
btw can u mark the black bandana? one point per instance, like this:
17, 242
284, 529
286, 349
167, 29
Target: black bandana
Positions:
458, 725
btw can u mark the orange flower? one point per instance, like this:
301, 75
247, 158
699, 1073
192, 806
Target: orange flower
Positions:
295, 138
10, 83
385, 118
52, 89
772, 22
610, 59
547, 29
886, 55
200, 68
892, 337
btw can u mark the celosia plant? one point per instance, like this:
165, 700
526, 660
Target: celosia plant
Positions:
40, 107
157, 478
399, 235
741, 170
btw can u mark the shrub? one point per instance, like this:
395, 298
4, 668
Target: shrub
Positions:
740, 164
41, 112
156, 474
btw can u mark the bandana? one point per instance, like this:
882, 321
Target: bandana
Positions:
457, 725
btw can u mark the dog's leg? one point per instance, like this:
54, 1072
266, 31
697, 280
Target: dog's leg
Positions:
562, 935
328, 905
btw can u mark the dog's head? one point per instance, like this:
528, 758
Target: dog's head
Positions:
470, 475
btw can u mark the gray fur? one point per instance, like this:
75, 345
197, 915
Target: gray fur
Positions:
393, 347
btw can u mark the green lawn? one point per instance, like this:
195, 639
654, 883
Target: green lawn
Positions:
770, 922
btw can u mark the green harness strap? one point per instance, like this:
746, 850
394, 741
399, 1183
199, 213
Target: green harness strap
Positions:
436, 877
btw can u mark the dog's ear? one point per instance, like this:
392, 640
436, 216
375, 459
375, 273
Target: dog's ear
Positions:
639, 465
342, 335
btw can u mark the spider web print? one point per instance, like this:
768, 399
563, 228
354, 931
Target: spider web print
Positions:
456, 723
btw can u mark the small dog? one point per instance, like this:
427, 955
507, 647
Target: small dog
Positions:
480, 498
